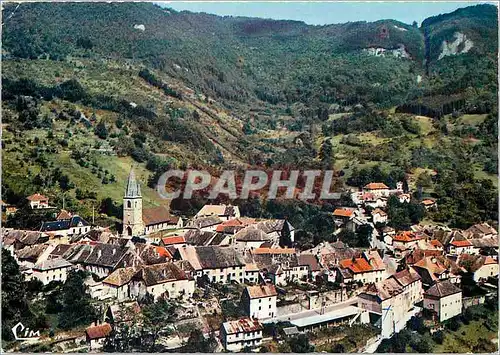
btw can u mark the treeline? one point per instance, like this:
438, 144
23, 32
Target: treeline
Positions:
72, 91
153, 80
431, 107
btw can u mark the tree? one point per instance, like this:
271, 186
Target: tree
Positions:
438, 337
15, 306
326, 154
364, 233
77, 308
424, 179
285, 238
156, 318
198, 344
28, 218
300, 344
101, 131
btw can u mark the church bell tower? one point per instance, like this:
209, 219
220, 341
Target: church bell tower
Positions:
133, 224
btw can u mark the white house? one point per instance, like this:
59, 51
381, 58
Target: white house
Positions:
484, 267
217, 264
260, 301
366, 269
96, 335
388, 302
66, 227
250, 238
224, 212
38, 201
51, 270
117, 284
379, 216
411, 282
251, 273
444, 299
457, 247
166, 280
377, 188
241, 333
404, 198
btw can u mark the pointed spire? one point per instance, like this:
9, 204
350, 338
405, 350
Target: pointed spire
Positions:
133, 187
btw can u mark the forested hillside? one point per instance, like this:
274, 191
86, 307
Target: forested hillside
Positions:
90, 89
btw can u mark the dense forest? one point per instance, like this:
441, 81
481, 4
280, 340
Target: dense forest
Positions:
91, 89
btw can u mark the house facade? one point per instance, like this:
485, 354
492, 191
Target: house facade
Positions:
366, 269
37, 201
51, 270
260, 301
444, 299
239, 334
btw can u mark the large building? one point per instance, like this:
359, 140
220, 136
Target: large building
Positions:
444, 299
138, 221
241, 333
260, 301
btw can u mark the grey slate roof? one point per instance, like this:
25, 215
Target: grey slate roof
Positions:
52, 264
197, 237
442, 289
213, 257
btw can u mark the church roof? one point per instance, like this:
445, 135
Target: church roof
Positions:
133, 187
157, 215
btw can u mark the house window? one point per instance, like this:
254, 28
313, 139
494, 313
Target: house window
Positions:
260, 308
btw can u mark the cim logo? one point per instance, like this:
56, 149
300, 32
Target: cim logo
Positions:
24, 333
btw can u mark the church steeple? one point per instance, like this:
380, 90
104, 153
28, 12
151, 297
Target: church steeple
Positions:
133, 224
133, 187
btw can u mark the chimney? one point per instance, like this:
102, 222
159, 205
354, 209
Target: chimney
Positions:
99, 253
114, 251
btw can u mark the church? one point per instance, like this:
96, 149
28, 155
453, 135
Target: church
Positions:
138, 221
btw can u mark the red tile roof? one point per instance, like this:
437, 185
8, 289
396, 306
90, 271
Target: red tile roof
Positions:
341, 212
163, 252
376, 186
461, 243
157, 215
406, 236
489, 260
432, 264
428, 202
176, 239
357, 265
436, 243
99, 331
37, 197
63, 215
379, 211
235, 222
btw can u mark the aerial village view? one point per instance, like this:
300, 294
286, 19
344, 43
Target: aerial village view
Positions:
182, 178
